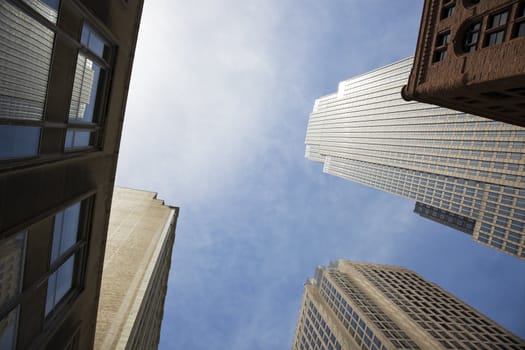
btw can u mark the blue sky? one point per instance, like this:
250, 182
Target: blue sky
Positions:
215, 123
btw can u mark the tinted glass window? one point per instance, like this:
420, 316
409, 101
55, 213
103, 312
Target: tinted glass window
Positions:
65, 231
85, 88
18, 141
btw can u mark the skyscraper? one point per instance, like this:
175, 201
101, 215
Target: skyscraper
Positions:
65, 68
136, 266
463, 171
469, 57
351, 305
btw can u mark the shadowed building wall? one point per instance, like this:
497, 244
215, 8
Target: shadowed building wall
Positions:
351, 305
136, 267
65, 67
464, 171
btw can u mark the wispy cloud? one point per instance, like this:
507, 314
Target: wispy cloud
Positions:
215, 123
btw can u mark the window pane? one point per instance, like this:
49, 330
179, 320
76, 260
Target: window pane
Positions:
77, 139
8, 330
24, 67
11, 262
47, 8
18, 141
85, 87
64, 279
70, 228
59, 284
93, 42
65, 231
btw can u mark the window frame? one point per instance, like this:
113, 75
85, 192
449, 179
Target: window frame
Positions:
441, 46
104, 62
77, 251
470, 31
493, 30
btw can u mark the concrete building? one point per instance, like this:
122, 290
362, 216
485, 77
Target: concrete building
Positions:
470, 57
138, 257
351, 305
65, 67
465, 171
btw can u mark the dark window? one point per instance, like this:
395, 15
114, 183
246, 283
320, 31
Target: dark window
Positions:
470, 41
440, 51
519, 23
13, 254
448, 9
496, 28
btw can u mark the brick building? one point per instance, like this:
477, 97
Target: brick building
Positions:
470, 57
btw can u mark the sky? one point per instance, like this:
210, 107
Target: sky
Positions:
216, 118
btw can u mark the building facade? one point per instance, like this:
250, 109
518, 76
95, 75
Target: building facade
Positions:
351, 305
470, 57
136, 266
463, 170
65, 67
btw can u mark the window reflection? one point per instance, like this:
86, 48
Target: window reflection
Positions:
85, 87
47, 8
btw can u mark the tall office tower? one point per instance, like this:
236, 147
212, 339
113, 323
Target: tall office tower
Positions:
138, 257
65, 67
470, 57
351, 305
463, 171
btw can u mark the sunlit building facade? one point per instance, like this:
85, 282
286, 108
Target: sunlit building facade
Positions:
462, 170
65, 68
469, 57
350, 305
136, 266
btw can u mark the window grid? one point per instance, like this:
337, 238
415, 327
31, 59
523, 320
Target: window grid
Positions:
448, 320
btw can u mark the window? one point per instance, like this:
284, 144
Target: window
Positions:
88, 90
496, 28
519, 23
12, 252
68, 241
470, 41
448, 9
440, 51
24, 73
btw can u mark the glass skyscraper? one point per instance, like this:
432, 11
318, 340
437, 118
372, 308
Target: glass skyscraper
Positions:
462, 170
351, 305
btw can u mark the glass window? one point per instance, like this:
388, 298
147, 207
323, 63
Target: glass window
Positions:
78, 138
65, 231
18, 141
47, 8
12, 251
26, 47
470, 42
94, 42
8, 327
85, 88
11, 266
59, 283
25, 63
